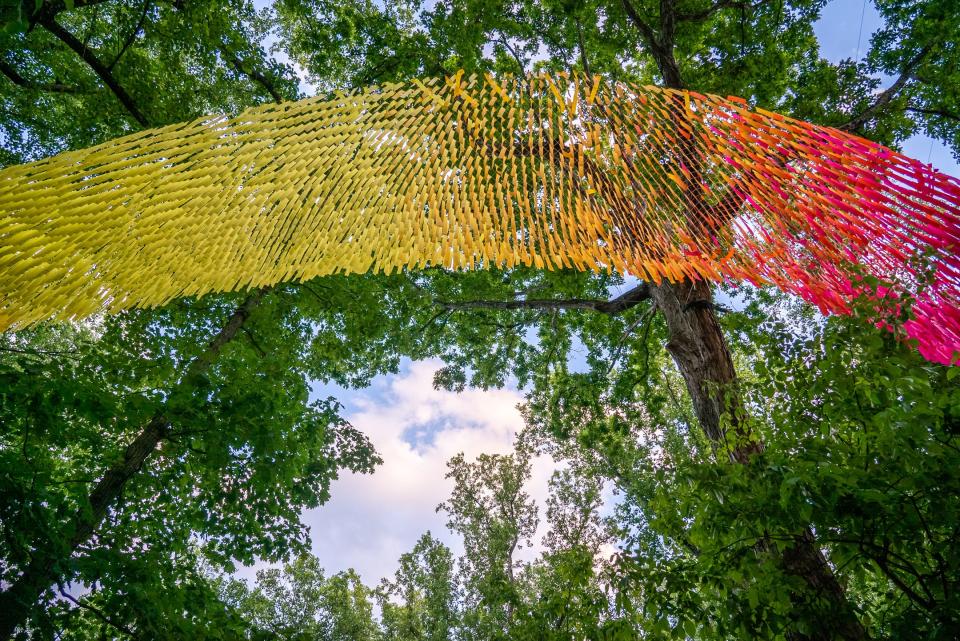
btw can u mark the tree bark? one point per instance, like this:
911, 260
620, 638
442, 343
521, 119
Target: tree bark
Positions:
47, 566
699, 349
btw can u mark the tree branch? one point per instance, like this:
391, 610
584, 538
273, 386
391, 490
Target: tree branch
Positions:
583, 50
94, 63
931, 111
39, 352
612, 307
660, 46
132, 37
255, 76
645, 30
719, 5
49, 10
513, 52
253, 341
97, 612
889, 94
54, 87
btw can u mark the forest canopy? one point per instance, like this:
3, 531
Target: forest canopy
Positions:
778, 474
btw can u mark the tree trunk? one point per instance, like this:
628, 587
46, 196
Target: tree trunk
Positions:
699, 349
49, 562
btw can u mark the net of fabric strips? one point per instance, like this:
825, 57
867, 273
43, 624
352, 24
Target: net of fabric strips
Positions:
551, 171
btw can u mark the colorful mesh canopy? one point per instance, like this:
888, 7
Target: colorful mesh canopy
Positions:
550, 171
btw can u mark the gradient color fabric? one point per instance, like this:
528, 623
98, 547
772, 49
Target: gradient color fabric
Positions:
550, 171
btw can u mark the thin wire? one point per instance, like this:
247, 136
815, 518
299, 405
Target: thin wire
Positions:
863, 12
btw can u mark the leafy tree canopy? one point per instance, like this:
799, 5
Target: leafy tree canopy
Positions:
144, 453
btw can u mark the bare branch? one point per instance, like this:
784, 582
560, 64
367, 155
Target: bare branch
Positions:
615, 306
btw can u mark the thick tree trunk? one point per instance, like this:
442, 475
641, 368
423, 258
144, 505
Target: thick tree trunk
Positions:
699, 349
49, 562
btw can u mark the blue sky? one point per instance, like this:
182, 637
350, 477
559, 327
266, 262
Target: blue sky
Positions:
840, 32
371, 520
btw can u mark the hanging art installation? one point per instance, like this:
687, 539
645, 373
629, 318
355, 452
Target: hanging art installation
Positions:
546, 171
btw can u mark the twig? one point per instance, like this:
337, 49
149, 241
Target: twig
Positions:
616, 354
97, 612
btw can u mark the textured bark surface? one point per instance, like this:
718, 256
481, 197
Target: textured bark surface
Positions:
698, 347
838, 620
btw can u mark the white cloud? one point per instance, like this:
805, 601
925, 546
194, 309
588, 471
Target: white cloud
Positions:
372, 519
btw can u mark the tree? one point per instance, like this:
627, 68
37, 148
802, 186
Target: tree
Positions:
419, 604
91, 455
489, 508
298, 603
566, 597
845, 458
128, 438
572, 512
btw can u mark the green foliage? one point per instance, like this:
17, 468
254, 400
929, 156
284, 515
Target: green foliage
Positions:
173, 59
861, 446
420, 602
299, 603
496, 518
859, 433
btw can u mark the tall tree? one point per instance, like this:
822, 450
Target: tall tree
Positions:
489, 508
420, 603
